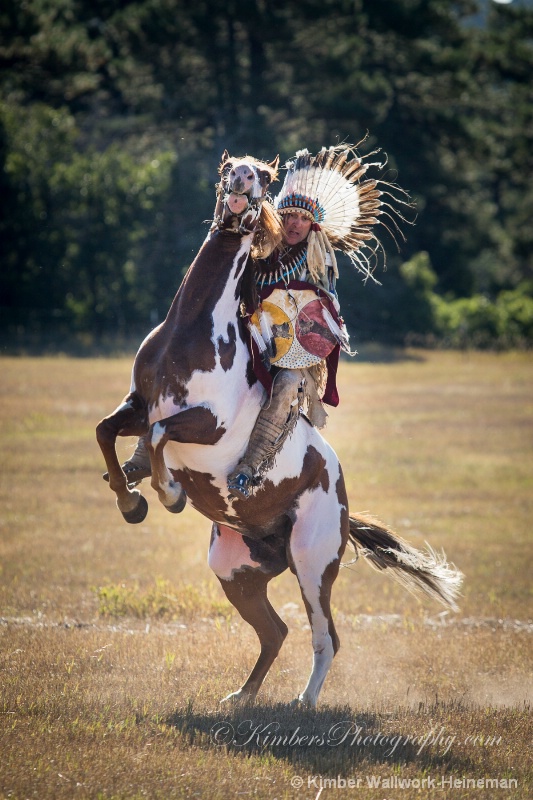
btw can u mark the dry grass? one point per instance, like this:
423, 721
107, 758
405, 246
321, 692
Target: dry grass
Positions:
124, 704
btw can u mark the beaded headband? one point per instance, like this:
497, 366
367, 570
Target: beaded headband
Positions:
304, 205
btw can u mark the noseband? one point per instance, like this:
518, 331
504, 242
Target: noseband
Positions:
231, 221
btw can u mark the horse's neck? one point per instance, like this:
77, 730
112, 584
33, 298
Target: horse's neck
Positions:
211, 354
208, 298
200, 341
197, 354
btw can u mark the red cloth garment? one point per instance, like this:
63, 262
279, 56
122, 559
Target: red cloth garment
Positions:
331, 395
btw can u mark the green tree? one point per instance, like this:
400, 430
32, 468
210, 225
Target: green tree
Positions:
91, 213
93, 92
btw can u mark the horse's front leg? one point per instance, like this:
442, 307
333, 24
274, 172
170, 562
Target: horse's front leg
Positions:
194, 425
129, 419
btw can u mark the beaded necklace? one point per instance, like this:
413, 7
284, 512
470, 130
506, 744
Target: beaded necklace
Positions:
286, 271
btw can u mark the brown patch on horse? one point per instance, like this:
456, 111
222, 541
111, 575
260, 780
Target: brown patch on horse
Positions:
155, 378
204, 496
247, 591
251, 377
270, 553
238, 270
342, 497
329, 577
331, 572
193, 425
227, 349
272, 509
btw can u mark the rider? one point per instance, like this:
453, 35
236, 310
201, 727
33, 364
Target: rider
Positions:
290, 385
295, 327
292, 310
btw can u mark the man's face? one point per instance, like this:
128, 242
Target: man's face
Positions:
297, 226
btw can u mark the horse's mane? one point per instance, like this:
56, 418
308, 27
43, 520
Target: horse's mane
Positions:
269, 233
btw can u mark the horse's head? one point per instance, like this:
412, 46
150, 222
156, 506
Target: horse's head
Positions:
241, 194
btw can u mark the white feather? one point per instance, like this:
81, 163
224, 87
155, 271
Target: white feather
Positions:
266, 330
341, 334
256, 336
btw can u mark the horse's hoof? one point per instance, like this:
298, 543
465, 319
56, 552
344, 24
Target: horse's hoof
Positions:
179, 505
238, 698
138, 513
302, 702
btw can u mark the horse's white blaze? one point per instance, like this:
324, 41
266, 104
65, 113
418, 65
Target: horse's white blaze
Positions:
229, 553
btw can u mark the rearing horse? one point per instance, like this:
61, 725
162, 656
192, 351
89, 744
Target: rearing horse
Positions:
195, 393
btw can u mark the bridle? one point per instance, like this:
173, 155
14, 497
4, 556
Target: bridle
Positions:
234, 221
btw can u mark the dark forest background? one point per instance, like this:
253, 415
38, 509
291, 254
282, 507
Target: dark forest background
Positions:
114, 115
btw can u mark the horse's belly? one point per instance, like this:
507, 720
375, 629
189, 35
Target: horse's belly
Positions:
217, 460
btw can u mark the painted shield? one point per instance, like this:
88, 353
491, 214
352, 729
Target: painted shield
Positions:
276, 320
293, 319
312, 331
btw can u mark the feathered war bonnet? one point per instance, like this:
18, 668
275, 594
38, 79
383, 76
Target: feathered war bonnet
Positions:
343, 205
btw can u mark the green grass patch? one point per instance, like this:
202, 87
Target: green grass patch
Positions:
161, 601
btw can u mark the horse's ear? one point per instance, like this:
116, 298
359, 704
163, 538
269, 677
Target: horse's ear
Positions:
275, 164
225, 158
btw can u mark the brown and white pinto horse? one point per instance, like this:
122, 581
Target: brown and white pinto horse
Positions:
194, 390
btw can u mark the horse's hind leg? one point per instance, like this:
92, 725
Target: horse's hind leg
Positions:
244, 581
248, 593
316, 547
129, 419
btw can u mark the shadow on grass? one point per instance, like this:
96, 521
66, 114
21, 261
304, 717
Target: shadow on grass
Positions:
325, 741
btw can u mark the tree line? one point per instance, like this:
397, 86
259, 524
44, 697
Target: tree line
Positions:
114, 115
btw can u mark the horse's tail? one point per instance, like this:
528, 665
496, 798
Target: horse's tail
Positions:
416, 570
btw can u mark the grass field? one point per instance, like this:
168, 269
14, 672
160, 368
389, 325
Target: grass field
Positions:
117, 643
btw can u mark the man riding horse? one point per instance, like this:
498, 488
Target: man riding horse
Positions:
216, 390
291, 310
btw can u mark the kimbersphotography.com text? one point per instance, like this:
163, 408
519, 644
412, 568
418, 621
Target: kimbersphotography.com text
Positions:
347, 733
